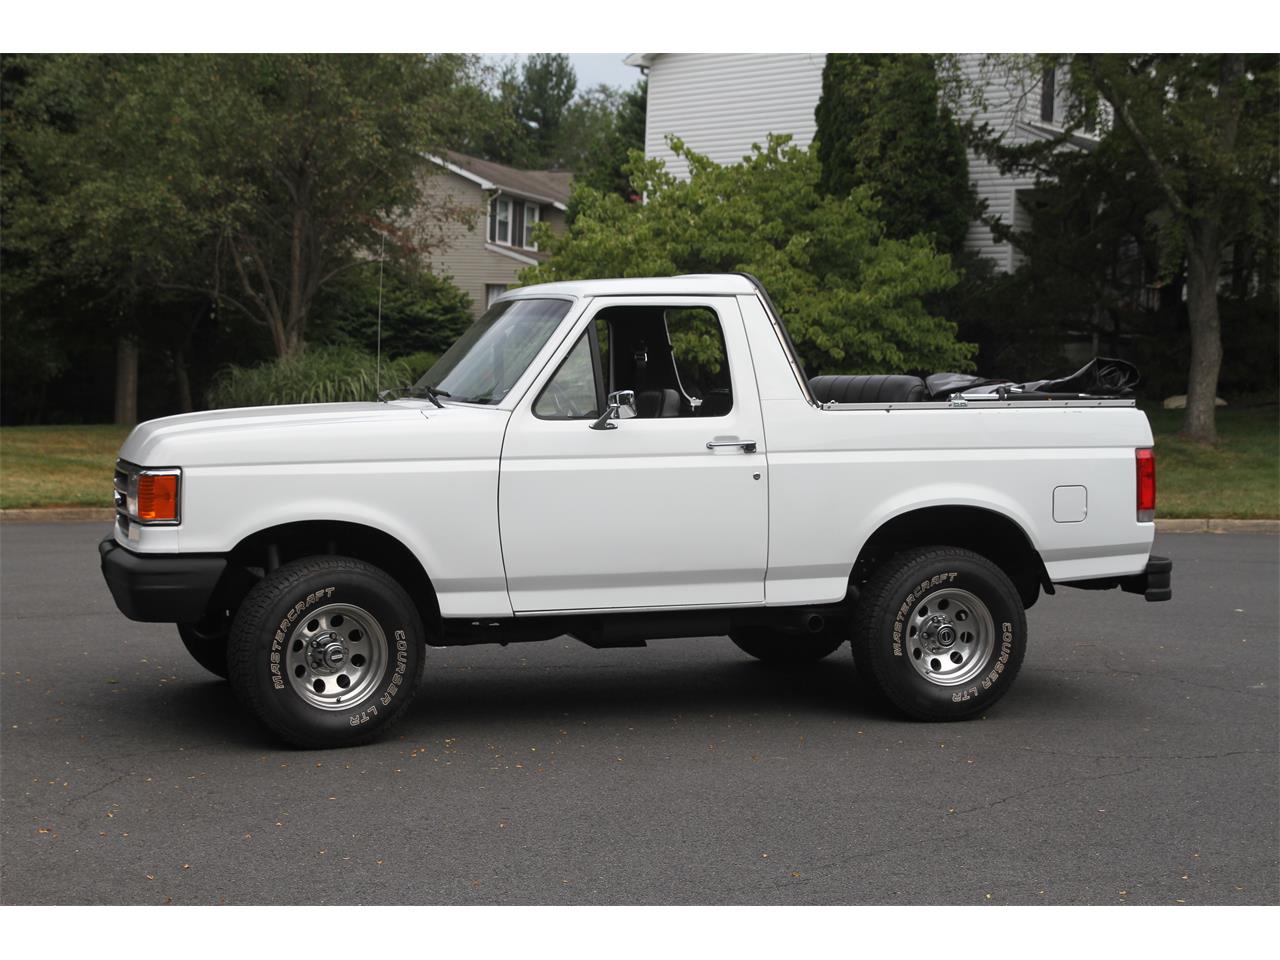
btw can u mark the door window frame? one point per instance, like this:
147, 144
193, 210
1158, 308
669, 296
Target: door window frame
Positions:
591, 308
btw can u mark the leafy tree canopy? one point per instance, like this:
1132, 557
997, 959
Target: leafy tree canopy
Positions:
1186, 164
254, 179
532, 115
852, 299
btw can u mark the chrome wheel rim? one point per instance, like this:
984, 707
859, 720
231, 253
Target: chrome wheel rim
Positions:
336, 656
950, 637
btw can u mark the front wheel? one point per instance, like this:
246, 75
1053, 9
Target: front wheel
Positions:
942, 631
326, 651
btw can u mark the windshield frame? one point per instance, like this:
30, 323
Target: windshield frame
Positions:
535, 366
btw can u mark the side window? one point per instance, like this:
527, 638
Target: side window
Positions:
571, 393
702, 364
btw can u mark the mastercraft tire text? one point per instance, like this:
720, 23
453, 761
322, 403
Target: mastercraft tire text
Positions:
942, 632
326, 651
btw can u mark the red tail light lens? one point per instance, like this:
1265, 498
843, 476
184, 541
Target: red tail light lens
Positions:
1146, 461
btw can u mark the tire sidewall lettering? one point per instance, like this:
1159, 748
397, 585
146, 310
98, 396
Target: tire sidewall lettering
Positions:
914, 597
299, 588
285, 627
888, 651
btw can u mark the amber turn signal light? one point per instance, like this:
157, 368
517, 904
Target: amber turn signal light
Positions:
158, 497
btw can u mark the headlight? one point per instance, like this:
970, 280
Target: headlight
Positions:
148, 495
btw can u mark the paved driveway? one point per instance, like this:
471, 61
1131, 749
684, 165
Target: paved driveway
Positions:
1135, 761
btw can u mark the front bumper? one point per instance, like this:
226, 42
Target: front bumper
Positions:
160, 588
1154, 583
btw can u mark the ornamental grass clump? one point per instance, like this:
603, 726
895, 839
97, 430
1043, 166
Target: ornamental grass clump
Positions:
320, 375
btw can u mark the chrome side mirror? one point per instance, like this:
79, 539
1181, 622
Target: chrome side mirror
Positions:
621, 406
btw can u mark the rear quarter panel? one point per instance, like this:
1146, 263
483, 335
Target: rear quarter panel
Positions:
835, 476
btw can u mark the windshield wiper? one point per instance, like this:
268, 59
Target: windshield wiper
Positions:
430, 392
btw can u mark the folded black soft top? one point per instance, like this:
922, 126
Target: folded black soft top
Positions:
1101, 378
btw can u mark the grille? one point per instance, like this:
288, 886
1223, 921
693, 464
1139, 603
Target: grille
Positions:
121, 497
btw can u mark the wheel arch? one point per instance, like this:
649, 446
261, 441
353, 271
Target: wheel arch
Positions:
988, 532
263, 550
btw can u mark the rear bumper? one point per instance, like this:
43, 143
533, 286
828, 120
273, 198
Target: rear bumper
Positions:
1154, 583
164, 588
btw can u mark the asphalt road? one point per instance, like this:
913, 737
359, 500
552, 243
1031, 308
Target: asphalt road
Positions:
1135, 761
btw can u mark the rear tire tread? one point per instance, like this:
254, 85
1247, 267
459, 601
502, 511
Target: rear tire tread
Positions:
881, 592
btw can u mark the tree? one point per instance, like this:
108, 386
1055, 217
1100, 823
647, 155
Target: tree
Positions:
421, 313
852, 298
1089, 247
320, 156
140, 193
1203, 128
531, 115
103, 207
603, 165
881, 123
548, 82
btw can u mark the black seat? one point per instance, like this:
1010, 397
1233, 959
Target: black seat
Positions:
890, 388
658, 403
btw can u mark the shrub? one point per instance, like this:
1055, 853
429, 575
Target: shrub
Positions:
321, 375
420, 311
853, 300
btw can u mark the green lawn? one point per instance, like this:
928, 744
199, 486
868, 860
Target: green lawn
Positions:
71, 466
1239, 478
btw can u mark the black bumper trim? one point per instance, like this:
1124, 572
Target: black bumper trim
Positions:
1154, 583
160, 588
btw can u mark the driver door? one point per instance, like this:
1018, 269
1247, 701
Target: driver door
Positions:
666, 509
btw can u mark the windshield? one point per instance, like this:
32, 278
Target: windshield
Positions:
488, 359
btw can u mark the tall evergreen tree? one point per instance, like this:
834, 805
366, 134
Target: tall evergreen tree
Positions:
881, 124
604, 164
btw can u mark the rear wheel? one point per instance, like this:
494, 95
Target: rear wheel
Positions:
326, 651
941, 631
773, 646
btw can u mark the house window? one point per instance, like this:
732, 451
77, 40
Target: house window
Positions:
500, 220
492, 291
530, 218
1046, 96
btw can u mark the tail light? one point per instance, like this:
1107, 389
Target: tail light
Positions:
1145, 459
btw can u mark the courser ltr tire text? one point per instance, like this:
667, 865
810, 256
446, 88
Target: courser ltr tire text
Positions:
942, 632
326, 651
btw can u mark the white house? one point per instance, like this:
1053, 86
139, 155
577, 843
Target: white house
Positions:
719, 104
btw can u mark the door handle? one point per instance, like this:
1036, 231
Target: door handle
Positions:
748, 446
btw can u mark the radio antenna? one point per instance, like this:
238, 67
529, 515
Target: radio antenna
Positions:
377, 376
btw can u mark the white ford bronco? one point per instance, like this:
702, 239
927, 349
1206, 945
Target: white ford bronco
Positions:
620, 460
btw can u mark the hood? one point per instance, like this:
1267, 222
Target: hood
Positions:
306, 433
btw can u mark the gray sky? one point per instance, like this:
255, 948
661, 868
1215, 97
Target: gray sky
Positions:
593, 69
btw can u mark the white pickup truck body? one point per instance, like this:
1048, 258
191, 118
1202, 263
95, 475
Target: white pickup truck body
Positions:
514, 515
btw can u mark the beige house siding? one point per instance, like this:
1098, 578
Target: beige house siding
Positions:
464, 253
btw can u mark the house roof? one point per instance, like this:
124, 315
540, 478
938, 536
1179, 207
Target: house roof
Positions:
546, 186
